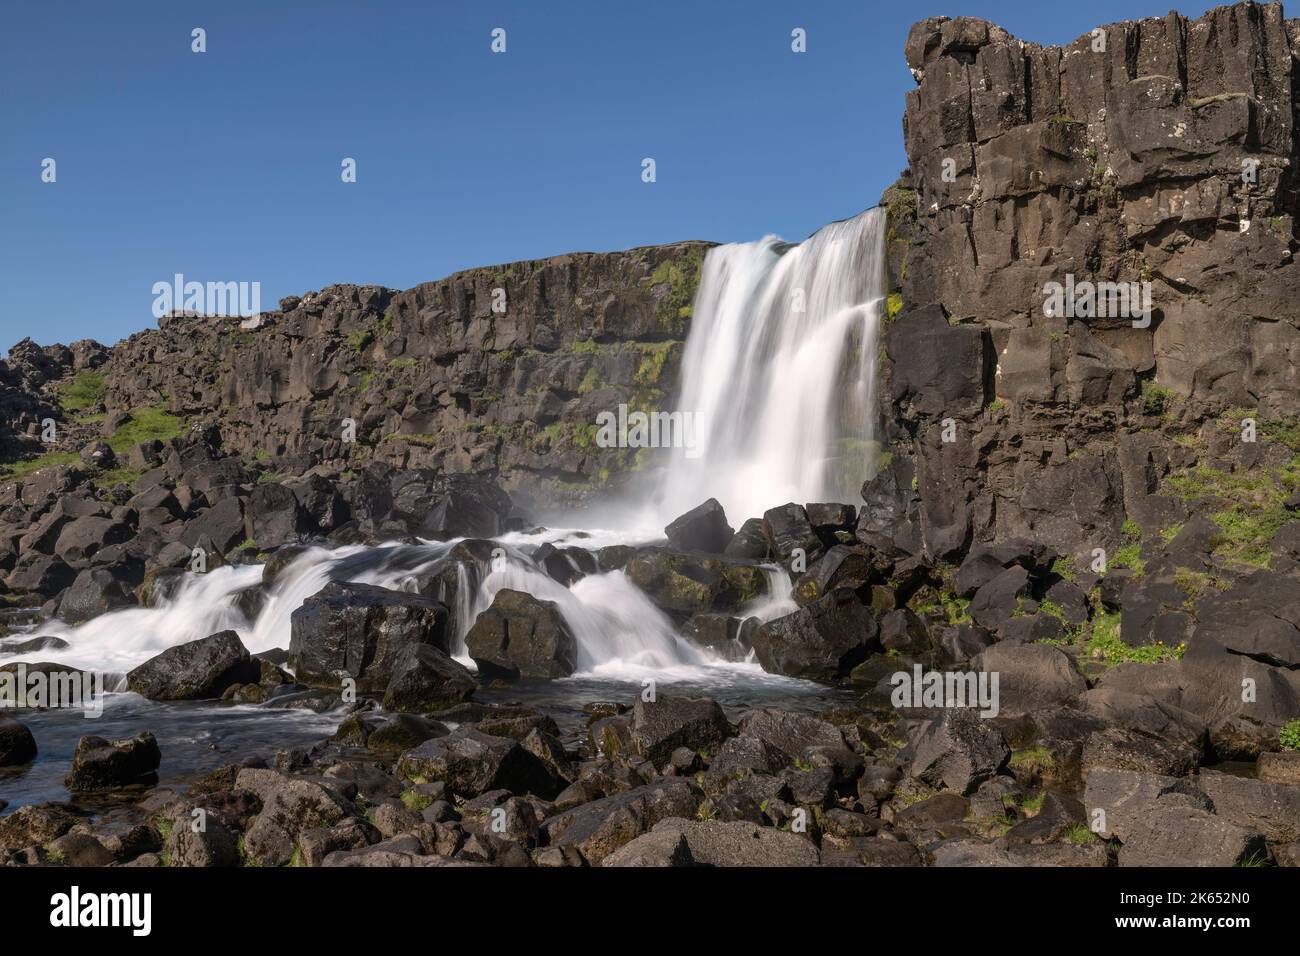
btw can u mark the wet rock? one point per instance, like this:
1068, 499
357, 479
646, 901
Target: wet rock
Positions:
99, 764
823, 640
196, 670
687, 584
749, 543
34, 825
273, 517
790, 533
359, 630
843, 566
520, 636
703, 528
424, 678
17, 745
97, 591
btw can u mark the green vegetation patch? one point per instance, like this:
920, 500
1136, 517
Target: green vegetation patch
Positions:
82, 391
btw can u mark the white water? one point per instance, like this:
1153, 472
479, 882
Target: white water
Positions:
782, 397
785, 397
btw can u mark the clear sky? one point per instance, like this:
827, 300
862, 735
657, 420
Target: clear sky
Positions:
225, 166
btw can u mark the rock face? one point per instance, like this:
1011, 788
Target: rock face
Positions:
1119, 164
197, 670
433, 376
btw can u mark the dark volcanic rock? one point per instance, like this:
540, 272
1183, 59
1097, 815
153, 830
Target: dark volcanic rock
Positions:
424, 679
703, 528
660, 726
100, 764
522, 636
17, 745
358, 630
196, 670
823, 640
470, 762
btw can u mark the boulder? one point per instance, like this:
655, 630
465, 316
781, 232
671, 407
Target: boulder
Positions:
196, 670
17, 745
470, 762
703, 528
749, 543
602, 826
358, 630
660, 726
83, 538
958, 751
520, 636
273, 517
823, 640
789, 531
1031, 676
678, 842
97, 591
99, 764
424, 679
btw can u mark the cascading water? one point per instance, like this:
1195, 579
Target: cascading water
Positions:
779, 371
779, 366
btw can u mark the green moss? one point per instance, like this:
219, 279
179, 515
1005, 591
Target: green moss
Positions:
1289, 736
681, 275
82, 391
893, 305
1080, 835
359, 340
652, 363
21, 469
150, 423
591, 381
1062, 568
1156, 399
1104, 644
1035, 761
416, 801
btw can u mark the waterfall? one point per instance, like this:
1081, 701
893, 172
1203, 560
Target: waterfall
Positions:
779, 371
779, 368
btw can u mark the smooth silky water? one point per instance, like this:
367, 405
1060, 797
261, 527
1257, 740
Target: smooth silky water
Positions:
779, 366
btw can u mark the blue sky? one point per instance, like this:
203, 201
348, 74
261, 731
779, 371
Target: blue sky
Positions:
225, 166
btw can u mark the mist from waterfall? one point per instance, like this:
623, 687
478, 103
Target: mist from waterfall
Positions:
779, 371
